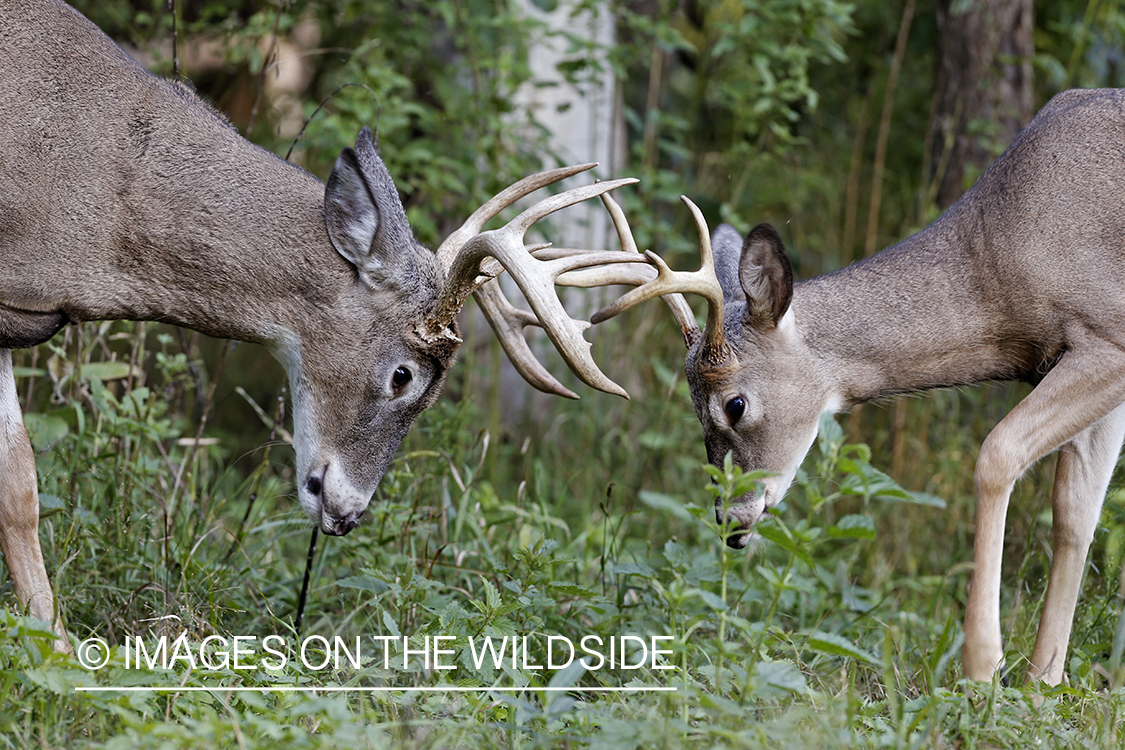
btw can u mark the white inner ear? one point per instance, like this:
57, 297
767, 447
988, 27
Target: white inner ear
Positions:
787, 326
361, 231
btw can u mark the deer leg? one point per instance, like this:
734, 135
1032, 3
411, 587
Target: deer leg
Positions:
1082, 389
1085, 467
19, 509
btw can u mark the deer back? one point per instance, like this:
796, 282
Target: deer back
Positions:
124, 196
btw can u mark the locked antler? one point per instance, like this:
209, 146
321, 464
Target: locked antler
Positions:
467, 258
658, 280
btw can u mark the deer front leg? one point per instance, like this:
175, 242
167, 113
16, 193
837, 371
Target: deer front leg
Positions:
1082, 477
19, 509
1083, 388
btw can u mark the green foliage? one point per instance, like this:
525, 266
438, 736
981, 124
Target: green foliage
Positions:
839, 627
706, 110
803, 634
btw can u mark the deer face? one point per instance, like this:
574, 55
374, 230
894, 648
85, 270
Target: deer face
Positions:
350, 417
759, 399
368, 348
359, 371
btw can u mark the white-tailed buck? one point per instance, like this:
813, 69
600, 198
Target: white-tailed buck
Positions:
1022, 279
124, 196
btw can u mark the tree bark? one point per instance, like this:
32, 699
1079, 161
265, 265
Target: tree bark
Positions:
983, 87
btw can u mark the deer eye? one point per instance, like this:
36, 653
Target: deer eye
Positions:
400, 378
734, 409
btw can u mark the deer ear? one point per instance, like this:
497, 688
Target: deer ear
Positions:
766, 275
726, 246
365, 218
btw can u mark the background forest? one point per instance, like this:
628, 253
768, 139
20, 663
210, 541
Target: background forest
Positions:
165, 469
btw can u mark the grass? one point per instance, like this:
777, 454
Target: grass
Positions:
842, 629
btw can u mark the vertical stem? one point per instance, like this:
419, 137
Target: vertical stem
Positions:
851, 200
175, 42
885, 127
652, 107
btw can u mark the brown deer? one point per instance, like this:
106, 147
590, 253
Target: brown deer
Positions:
124, 196
1021, 279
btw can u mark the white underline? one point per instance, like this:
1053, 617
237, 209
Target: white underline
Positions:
342, 689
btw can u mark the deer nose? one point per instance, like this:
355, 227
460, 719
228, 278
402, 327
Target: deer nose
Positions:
340, 526
735, 522
739, 541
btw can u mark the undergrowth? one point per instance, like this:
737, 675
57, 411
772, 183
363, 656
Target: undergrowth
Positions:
154, 531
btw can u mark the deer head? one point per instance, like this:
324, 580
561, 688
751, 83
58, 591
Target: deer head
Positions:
354, 408
751, 376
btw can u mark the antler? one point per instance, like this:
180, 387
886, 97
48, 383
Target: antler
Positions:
465, 259
632, 275
672, 285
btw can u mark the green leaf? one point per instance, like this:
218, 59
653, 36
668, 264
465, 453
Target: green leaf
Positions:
782, 675
45, 430
50, 504
364, 583
925, 498
782, 537
829, 433
106, 370
390, 624
836, 645
665, 503
630, 569
856, 526
714, 601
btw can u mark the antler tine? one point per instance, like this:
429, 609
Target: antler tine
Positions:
508, 322
630, 274
452, 245
716, 347
702, 282
536, 280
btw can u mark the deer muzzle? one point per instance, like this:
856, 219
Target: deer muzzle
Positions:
739, 517
331, 501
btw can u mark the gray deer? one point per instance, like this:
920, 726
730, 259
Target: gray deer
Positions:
124, 196
1022, 279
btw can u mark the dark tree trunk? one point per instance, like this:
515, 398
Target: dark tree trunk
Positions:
983, 93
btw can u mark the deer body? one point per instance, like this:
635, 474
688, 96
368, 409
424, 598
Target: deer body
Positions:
1019, 280
124, 196
1022, 279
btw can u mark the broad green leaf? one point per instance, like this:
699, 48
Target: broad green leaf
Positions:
630, 569
783, 675
836, 645
829, 433
363, 583
45, 430
781, 536
106, 370
856, 526
665, 503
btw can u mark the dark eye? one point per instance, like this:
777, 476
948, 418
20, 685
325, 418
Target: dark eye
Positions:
400, 378
734, 409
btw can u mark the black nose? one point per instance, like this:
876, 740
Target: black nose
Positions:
738, 541
341, 526
735, 540
313, 485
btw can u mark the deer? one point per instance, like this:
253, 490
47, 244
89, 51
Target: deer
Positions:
1019, 280
124, 196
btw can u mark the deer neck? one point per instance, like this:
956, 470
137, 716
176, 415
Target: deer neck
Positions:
136, 200
228, 252
919, 315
